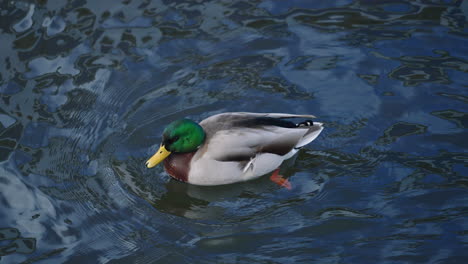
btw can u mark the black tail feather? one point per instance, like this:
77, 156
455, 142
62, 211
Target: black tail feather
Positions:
306, 123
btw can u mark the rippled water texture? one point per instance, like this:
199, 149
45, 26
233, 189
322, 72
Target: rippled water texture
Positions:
86, 88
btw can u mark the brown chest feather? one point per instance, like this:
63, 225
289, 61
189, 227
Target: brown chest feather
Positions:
178, 165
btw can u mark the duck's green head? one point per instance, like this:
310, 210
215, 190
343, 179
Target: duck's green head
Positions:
179, 136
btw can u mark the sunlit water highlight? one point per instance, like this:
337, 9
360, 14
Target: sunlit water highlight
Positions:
87, 87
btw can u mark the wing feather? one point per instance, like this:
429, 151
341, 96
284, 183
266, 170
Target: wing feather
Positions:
245, 144
241, 136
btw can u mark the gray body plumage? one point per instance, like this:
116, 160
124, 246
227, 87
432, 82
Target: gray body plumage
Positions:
244, 146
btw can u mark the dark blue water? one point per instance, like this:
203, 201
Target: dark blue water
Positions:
86, 88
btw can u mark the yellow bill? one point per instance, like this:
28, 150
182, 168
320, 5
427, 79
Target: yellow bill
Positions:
160, 155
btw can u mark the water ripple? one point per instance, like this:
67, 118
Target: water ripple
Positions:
87, 87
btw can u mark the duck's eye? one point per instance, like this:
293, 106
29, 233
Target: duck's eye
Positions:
176, 138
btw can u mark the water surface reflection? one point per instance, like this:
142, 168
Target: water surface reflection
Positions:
87, 87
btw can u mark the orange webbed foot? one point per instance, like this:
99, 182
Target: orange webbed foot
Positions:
278, 179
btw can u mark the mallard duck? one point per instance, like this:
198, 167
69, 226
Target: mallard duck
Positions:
232, 147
